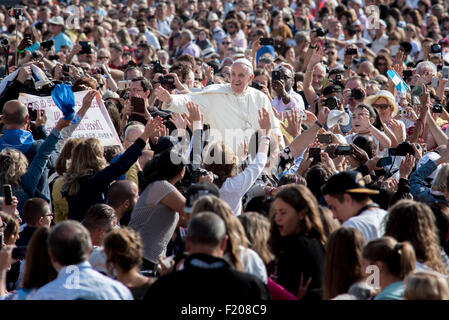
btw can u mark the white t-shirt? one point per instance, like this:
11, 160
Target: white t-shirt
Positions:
252, 263
369, 222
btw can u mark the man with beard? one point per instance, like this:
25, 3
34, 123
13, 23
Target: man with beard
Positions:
123, 196
143, 54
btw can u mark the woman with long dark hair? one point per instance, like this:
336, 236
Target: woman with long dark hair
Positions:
298, 240
157, 211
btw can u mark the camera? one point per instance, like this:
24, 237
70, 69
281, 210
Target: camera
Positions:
86, 47
267, 41
157, 67
256, 85
47, 44
320, 32
435, 48
357, 94
196, 174
332, 103
65, 68
166, 80
351, 51
437, 108
403, 113
4, 42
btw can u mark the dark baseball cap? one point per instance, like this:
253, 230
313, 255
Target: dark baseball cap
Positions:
198, 190
347, 182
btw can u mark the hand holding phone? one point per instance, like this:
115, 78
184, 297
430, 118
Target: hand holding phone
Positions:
138, 104
7, 192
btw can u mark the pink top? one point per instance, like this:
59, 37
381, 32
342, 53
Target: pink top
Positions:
278, 292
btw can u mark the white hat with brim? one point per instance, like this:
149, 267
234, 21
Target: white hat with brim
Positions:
57, 21
370, 100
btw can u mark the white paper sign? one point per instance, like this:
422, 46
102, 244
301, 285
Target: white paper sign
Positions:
95, 124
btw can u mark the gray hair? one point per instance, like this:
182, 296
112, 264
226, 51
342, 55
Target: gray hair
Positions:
426, 65
134, 127
440, 182
206, 228
188, 34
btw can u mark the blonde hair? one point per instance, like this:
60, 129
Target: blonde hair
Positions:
440, 182
221, 160
234, 229
87, 158
13, 166
257, 228
426, 285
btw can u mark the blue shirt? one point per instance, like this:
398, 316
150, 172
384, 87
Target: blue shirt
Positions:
62, 40
394, 291
82, 282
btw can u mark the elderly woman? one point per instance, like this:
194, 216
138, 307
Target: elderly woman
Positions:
385, 105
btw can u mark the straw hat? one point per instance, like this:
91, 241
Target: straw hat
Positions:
370, 100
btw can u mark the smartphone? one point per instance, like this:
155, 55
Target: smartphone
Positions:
343, 151
124, 84
416, 101
351, 51
86, 47
32, 113
138, 104
65, 68
275, 75
385, 161
417, 91
434, 83
437, 108
325, 138
7, 192
445, 72
315, 153
1, 240
266, 41
407, 74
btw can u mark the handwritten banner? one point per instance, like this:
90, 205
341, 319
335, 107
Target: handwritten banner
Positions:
95, 124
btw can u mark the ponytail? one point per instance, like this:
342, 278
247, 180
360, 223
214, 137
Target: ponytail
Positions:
399, 257
402, 259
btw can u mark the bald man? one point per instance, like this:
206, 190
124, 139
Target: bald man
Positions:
230, 109
16, 136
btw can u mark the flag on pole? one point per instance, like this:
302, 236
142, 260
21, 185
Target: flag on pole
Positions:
399, 83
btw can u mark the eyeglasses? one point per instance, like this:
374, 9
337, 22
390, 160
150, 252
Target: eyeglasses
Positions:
381, 106
408, 29
393, 39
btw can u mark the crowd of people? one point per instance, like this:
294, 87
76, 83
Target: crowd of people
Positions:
269, 150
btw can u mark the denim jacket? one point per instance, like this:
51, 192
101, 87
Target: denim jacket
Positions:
28, 187
419, 189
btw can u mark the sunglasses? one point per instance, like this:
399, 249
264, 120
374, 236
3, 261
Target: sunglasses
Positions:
381, 106
225, 42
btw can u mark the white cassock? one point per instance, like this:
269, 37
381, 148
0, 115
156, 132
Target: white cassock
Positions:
232, 118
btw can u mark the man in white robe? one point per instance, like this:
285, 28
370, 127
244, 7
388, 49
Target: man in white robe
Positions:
231, 110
